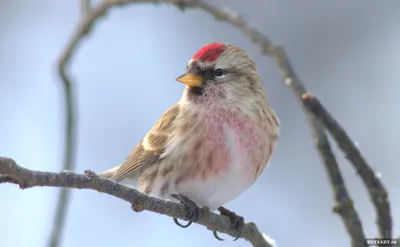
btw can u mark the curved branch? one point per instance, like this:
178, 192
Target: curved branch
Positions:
69, 153
70, 137
26, 178
345, 207
377, 192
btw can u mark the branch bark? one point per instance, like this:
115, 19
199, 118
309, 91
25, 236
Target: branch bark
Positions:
70, 138
10, 172
345, 207
376, 190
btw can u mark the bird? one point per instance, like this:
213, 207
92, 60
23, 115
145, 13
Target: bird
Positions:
214, 143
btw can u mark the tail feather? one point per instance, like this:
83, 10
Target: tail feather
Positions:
109, 173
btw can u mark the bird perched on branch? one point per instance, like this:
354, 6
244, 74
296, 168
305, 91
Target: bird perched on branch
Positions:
214, 143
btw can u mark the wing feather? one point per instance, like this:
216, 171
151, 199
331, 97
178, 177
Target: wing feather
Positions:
149, 150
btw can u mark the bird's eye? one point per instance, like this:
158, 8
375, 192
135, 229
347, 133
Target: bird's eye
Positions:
219, 72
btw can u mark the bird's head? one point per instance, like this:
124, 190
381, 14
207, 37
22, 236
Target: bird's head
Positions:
222, 73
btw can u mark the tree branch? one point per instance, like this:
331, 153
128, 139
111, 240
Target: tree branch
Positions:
85, 7
70, 137
12, 173
344, 208
69, 152
377, 192
7, 179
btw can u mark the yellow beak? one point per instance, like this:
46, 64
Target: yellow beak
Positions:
191, 80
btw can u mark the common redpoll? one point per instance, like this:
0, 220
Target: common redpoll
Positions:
214, 142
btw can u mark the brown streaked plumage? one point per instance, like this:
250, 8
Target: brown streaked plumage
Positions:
215, 142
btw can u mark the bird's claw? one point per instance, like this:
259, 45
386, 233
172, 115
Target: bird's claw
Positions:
217, 237
193, 211
181, 225
236, 221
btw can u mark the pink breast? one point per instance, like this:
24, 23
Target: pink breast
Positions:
249, 142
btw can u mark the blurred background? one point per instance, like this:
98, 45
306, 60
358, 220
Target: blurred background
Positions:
346, 52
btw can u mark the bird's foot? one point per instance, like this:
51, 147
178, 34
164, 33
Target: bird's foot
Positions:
236, 221
193, 211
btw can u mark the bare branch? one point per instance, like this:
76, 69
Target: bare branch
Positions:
26, 178
344, 206
85, 7
70, 137
377, 192
7, 179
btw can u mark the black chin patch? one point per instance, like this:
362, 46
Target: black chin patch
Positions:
197, 90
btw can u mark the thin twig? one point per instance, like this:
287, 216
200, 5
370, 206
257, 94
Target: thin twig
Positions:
86, 7
344, 207
69, 155
26, 178
70, 137
377, 192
